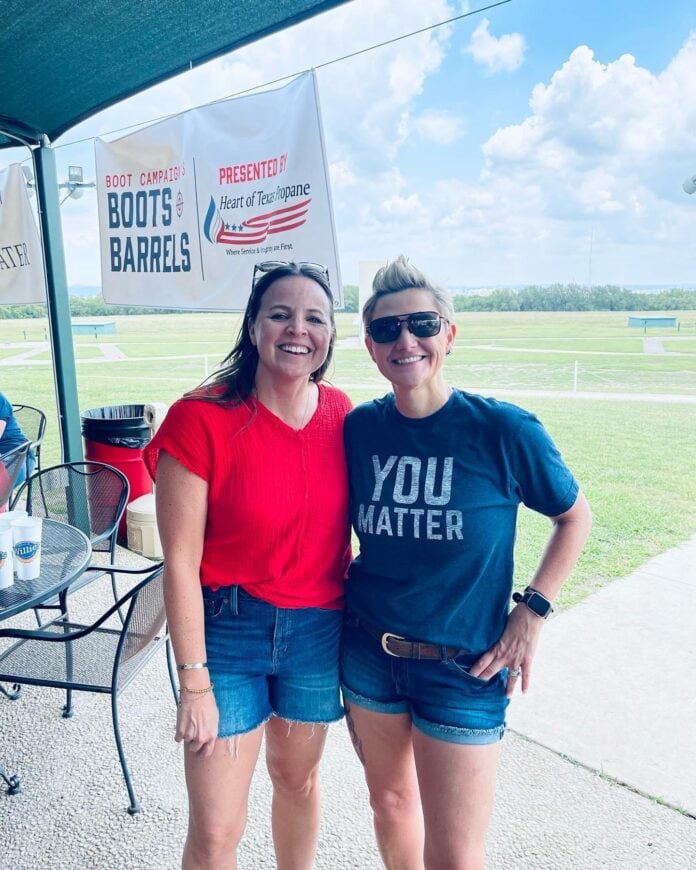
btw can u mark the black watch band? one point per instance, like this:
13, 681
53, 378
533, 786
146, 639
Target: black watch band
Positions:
539, 604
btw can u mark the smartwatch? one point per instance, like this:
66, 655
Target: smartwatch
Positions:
535, 601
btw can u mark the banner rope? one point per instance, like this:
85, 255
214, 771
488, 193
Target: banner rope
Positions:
293, 74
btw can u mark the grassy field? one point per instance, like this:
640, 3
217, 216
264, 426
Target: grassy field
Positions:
634, 459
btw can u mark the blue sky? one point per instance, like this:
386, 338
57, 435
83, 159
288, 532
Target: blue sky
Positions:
494, 151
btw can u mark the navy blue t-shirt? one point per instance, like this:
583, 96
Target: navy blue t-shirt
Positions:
434, 503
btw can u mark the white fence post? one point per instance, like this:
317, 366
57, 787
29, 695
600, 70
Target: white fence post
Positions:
575, 378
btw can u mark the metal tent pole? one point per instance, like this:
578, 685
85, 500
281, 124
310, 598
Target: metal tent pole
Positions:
58, 302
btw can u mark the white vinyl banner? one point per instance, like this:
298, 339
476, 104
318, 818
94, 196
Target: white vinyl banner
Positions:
21, 258
188, 206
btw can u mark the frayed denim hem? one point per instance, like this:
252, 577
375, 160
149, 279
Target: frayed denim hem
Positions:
458, 734
323, 723
375, 706
245, 731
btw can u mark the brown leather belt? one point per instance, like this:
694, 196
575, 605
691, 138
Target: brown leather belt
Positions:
402, 648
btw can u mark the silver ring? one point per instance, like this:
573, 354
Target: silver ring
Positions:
514, 672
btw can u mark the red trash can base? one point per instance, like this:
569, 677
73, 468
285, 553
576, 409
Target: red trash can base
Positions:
128, 461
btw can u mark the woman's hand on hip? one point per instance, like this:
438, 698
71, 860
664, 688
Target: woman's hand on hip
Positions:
514, 650
197, 722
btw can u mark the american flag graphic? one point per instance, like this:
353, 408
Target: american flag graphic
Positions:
255, 229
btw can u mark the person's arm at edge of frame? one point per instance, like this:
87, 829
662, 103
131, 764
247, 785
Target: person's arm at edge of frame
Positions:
6, 409
517, 644
182, 500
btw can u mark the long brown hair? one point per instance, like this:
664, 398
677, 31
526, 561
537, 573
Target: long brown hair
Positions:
234, 381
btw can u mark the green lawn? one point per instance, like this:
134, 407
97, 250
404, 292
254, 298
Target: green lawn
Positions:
565, 324
679, 345
609, 344
635, 460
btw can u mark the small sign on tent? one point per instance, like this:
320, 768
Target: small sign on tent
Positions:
188, 206
22, 278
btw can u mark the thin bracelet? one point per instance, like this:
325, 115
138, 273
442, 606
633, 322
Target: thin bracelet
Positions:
194, 692
197, 691
191, 666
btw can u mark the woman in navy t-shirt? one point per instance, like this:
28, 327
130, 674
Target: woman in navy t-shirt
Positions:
431, 651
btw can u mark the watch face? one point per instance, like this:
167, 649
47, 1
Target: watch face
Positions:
538, 604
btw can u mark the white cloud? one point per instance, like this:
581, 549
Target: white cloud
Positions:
601, 154
598, 133
602, 151
341, 174
402, 206
438, 126
497, 54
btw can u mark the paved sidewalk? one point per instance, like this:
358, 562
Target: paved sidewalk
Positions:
614, 683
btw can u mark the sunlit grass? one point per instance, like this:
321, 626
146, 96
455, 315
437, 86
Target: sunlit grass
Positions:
635, 460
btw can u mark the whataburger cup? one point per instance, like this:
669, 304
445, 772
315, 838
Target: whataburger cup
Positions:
26, 533
6, 560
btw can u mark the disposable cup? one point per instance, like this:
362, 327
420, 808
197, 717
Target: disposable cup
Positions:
6, 558
11, 516
26, 534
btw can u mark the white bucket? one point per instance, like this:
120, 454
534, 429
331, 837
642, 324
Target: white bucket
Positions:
141, 521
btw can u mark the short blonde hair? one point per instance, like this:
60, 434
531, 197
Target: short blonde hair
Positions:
401, 275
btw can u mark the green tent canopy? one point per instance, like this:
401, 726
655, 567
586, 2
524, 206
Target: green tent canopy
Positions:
62, 61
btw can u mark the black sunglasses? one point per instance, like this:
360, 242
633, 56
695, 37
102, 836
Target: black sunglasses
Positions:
422, 324
269, 266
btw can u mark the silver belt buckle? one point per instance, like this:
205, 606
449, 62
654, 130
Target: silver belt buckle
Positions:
385, 639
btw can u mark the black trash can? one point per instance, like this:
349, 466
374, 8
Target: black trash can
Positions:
117, 435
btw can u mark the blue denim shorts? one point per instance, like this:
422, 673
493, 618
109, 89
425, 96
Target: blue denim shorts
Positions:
266, 660
442, 698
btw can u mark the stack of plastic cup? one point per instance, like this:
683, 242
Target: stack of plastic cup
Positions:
11, 516
6, 558
26, 534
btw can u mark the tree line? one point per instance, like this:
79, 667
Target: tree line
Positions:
577, 297
555, 297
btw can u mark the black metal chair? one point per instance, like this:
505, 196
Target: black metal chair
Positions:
91, 496
12, 463
94, 657
32, 422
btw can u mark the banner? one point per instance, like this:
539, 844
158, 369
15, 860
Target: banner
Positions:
189, 205
21, 258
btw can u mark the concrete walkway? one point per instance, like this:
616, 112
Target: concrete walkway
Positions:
615, 683
613, 690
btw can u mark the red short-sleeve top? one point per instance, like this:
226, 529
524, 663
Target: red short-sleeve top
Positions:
277, 522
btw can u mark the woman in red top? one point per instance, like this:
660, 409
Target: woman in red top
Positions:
252, 509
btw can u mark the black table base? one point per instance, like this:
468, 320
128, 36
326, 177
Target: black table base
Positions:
13, 784
12, 694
